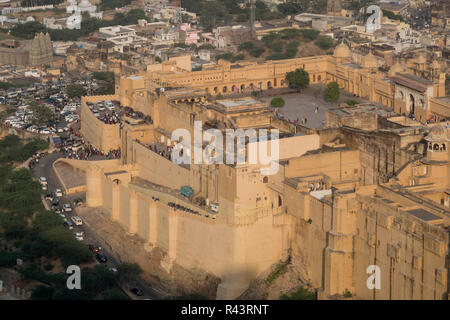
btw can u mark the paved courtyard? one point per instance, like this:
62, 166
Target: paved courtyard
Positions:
303, 105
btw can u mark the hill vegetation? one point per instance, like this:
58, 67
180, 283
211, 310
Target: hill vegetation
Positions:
88, 25
285, 44
40, 240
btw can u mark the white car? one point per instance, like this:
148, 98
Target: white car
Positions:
79, 236
58, 193
67, 207
77, 220
43, 181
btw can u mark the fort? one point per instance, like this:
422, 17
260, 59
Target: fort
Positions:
368, 188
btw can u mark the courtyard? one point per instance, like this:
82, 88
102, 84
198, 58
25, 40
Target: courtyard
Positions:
303, 105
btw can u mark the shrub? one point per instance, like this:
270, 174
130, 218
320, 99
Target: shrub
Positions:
257, 52
277, 102
42, 293
114, 294
347, 294
332, 92
324, 42
300, 294
310, 34
351, 102
278, 271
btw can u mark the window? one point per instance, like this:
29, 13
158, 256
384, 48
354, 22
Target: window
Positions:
265, 179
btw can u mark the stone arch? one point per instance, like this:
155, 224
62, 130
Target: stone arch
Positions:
412, 104
443, 147
280, 201
319, 77
436, 147
242, 87
269, 85
224, 89
265, 179
215, 90
233, 88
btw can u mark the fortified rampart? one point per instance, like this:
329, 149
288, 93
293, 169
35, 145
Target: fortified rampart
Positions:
104, 137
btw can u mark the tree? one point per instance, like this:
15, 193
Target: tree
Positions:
332, 93
75, 90
298, 79
277, 102
351, 102
324, 42
114, 294
42, 293
42, 115
129, 271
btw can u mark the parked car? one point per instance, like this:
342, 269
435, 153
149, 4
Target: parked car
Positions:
137, 292
43, 180
79, 236
77, 220
58, 193
68, 224
67, 207
101, 258
95, 249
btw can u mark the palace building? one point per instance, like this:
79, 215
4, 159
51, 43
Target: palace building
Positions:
371, 187
407, 89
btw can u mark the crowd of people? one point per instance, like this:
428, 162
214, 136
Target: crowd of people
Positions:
86, 151
111, 118
129, 112
162, 150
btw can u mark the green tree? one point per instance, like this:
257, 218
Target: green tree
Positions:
42, 114
310, 34
277, 102
128, 271
257, 52
298, 79
332, 92
351, 102
300, 294
75, 90
324, 42
114, 294
42, 292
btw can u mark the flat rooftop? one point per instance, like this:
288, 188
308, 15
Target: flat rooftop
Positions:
424, 215
231, 103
